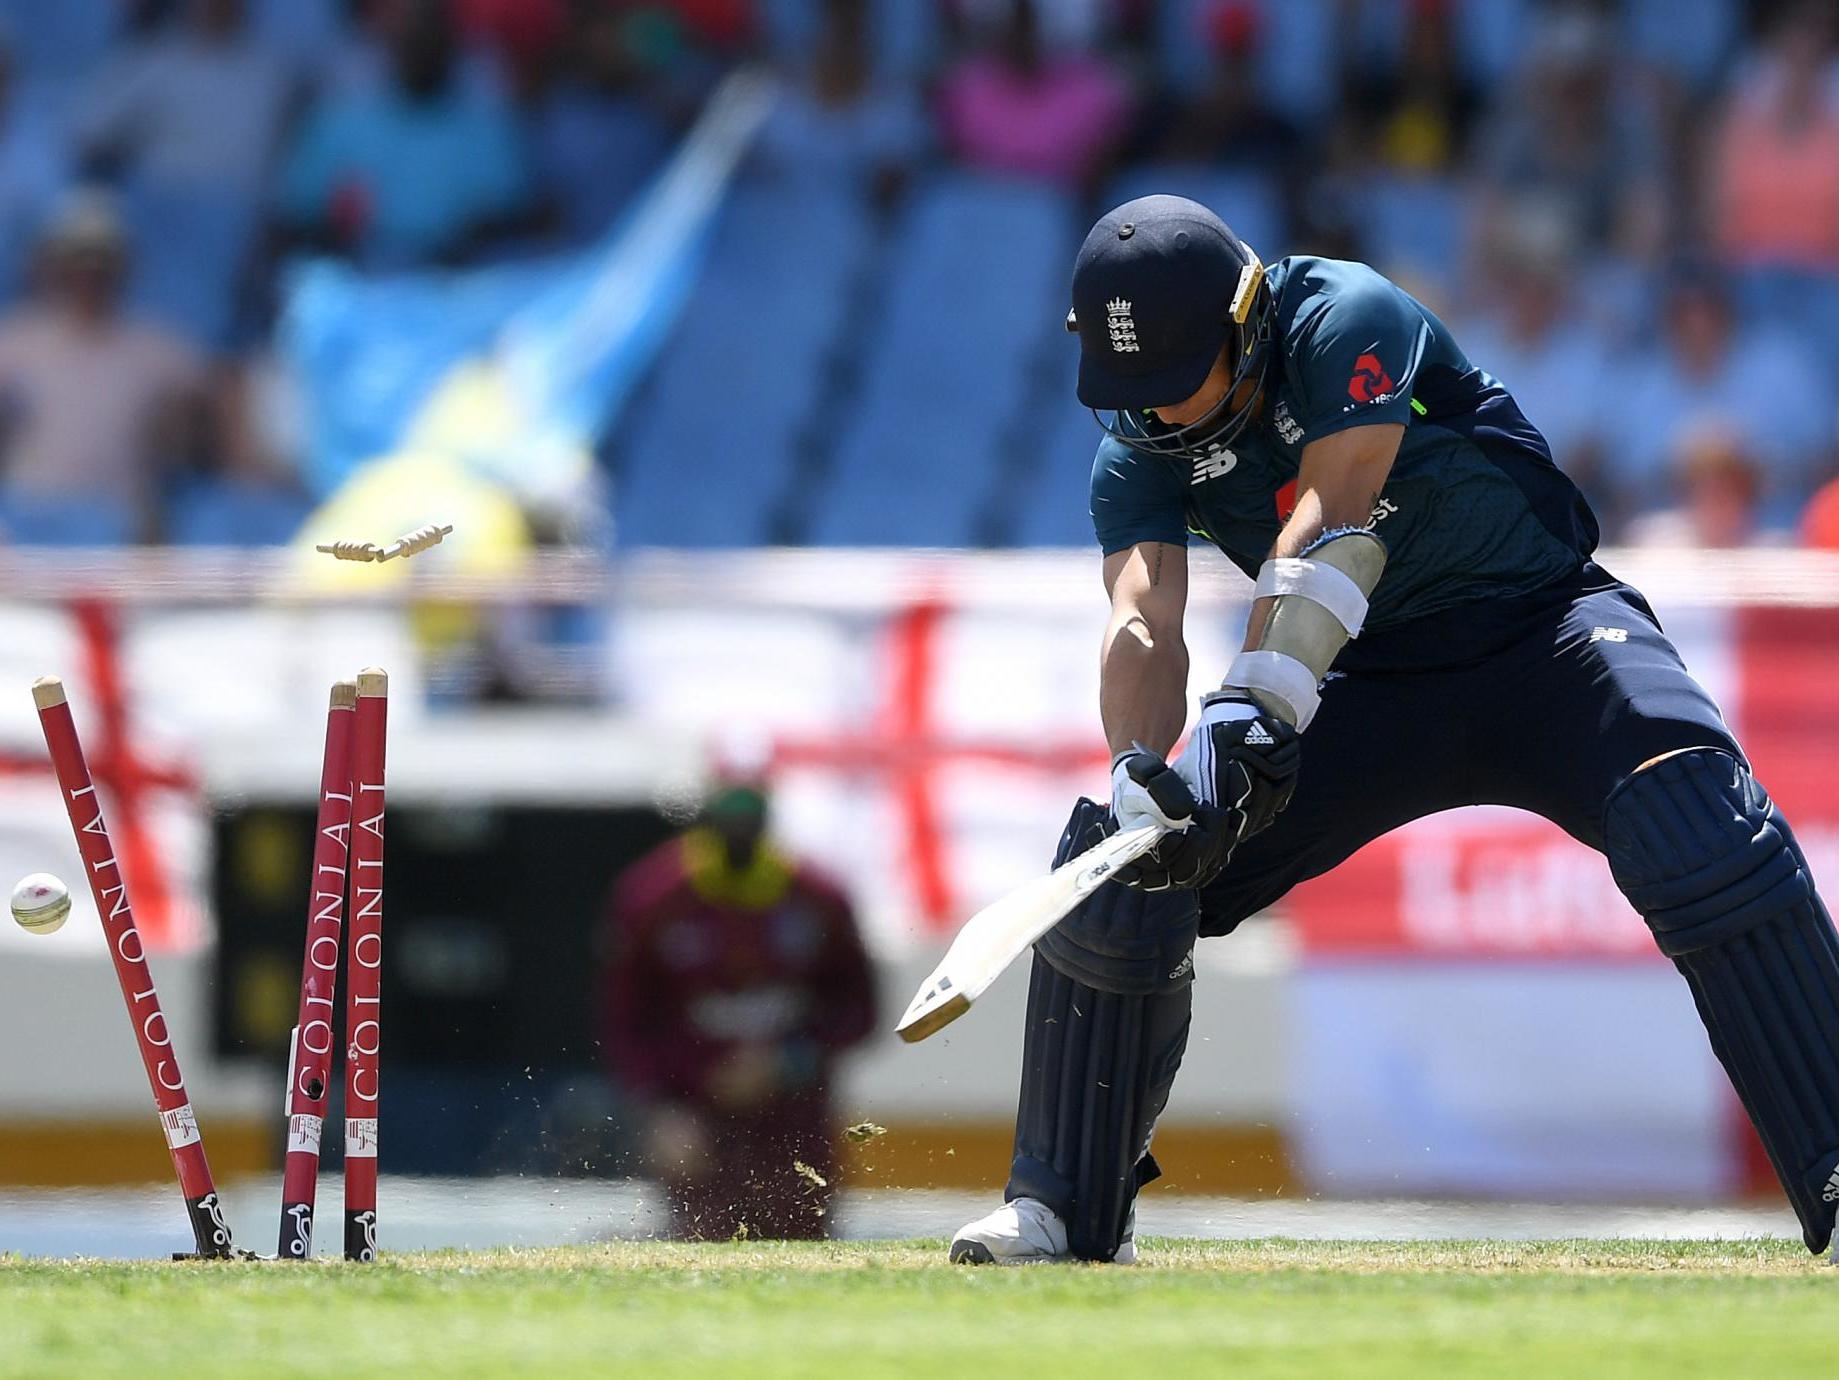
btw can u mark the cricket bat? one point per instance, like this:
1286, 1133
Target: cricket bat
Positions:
993, 937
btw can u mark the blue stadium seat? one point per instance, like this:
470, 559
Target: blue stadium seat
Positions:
190, 250
1692, 39
1299, 57
1491, 38
1794, 301
1415, 228
905, 34
58, 44
1296, 64
309, 31
223, 513
1247, 201
28, 519
977, 284
709, 446
1051, 508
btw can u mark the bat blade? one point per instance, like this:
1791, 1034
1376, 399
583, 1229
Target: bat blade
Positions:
993, 937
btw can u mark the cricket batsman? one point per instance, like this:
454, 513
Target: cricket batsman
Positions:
1428, 630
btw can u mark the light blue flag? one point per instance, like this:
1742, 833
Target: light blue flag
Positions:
511, 371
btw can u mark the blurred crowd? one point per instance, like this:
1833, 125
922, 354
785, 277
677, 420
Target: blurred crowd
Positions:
1627, 209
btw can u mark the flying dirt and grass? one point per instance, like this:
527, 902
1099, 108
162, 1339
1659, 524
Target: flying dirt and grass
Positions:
862, 1310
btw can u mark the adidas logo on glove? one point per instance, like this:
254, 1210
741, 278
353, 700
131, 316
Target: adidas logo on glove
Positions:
1258, 735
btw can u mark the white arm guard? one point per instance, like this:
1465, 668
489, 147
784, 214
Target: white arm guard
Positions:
1318, 581
1320, 602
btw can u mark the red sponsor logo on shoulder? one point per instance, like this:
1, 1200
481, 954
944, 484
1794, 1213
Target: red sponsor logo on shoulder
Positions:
1370, 379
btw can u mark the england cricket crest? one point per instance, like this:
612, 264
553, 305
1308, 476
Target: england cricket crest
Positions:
1287, 427
1122, 326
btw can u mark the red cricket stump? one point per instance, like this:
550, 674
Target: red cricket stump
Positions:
364, 965
177, 1119
309, 1058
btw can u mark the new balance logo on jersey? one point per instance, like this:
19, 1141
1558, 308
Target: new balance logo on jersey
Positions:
1258, 735
1213, 464
1609, 634
1123, 327
1830, 1193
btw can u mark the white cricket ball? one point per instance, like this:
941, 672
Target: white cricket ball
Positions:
41, 903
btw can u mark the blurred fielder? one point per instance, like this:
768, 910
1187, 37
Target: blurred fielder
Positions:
736, 978
1428, 615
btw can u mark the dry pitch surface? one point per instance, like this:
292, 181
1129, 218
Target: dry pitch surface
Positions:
1244, 1309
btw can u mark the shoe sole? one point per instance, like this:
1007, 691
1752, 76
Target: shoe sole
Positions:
964, 1252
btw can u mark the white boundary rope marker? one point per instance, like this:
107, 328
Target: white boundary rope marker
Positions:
406, 545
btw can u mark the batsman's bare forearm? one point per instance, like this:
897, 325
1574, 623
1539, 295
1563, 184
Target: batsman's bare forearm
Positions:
1143, 673
1141, 689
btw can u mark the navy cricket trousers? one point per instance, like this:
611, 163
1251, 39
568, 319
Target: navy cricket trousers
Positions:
1546, 703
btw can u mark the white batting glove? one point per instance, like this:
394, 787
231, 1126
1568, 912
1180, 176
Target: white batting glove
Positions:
1146, 790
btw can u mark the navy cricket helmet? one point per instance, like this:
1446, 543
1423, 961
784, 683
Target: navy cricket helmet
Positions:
1160, 288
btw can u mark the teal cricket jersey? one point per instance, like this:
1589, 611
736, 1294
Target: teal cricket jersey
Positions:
1474, 508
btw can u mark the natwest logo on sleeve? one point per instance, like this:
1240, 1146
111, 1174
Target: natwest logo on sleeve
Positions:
1285, 502
1370, 382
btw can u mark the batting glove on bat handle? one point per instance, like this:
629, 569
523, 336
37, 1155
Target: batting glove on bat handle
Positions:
1146, 790
1189, 859
1241, 759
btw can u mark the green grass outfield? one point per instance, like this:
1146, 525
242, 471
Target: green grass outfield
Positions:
1244, 1309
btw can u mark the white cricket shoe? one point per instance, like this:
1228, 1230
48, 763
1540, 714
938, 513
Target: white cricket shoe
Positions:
1025, 1231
